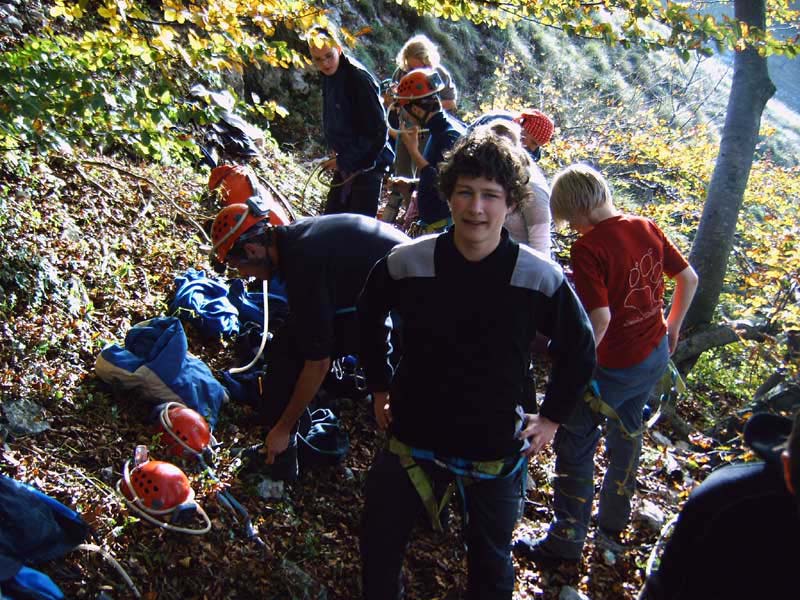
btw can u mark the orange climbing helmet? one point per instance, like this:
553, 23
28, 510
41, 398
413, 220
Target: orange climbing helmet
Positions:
537, 124
184, 431
233, 183
230, 224
160, 493
157, 486
417, 84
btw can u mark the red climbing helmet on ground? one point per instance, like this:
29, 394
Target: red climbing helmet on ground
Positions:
157, 486
230, 224
416, 84
160, 493
184, 431
537, 124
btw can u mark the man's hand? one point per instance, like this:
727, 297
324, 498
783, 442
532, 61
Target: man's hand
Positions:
382, 408
402, 185
410, 138
277, 441
540, 431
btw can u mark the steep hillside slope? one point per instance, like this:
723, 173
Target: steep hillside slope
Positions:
577, 81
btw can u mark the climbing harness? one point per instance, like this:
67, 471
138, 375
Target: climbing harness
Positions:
347, 367
318, 172
670, 385
418, 228
465, 472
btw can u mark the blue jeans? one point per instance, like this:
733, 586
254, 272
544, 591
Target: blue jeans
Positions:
626, 391
393, 506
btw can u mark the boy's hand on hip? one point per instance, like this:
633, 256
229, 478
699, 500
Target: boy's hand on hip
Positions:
539, 431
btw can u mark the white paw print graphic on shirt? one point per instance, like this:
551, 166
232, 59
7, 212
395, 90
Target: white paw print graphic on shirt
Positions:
645, 283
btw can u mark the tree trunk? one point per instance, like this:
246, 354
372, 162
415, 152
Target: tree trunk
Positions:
750, 91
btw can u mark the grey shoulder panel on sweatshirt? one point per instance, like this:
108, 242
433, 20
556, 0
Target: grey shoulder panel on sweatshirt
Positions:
413, 259
536, 272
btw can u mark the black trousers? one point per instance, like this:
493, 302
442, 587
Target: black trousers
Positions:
393, 506
358, 195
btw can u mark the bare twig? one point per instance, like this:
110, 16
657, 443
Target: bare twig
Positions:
107, 555
93, 182
189, 217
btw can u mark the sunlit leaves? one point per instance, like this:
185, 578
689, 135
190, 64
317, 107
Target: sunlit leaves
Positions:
141, 44
650, 23
52, 78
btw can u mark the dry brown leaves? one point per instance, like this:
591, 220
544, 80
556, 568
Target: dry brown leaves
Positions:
115, 245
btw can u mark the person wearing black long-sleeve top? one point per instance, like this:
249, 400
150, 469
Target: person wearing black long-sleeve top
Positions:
469, 303
736, 536
354, 123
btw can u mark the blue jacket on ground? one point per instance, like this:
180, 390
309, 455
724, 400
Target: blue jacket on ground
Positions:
353, 118
34, 528
156, 361
204, 302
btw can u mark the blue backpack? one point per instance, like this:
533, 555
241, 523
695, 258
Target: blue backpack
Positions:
322, 441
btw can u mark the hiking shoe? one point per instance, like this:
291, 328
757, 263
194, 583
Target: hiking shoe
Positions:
537, 551
610, 540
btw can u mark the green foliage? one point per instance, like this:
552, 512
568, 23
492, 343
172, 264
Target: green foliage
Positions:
738, 369
63, 91
26, 278
652, 24
120, 81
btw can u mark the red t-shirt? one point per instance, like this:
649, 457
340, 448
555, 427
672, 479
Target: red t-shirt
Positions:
621, 264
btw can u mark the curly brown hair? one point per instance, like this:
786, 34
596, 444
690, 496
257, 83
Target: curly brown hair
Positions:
483, 153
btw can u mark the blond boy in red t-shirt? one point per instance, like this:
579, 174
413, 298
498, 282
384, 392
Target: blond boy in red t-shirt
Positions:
619, 264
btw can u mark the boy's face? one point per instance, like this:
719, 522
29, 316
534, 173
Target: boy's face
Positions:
325, 59
478, 207
528, 141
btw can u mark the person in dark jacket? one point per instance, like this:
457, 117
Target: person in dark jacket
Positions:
736, 536
457, 408
417, 94
354, 123
323, 262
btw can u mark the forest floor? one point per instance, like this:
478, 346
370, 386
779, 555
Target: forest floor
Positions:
94, 247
